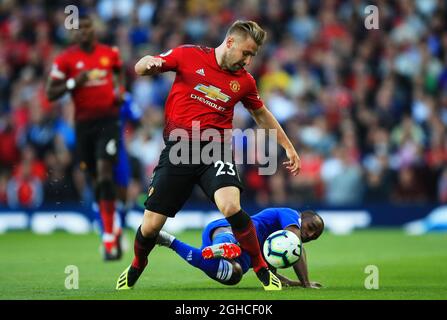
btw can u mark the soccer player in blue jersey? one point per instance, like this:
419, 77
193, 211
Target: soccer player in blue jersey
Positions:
220, 256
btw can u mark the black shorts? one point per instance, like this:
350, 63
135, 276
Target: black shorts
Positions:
97, 139
172, 183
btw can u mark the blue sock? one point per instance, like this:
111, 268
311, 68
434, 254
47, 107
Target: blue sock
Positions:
214, 268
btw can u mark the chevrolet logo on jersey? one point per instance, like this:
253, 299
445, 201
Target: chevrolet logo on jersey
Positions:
212, 92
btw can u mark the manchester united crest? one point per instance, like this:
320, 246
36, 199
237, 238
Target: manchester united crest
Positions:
235, 86
104, 61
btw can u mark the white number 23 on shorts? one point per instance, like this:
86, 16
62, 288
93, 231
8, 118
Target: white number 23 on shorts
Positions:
222, 165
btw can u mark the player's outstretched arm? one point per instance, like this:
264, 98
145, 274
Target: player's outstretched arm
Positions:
148, 66
300, 267
286, 282
265, 119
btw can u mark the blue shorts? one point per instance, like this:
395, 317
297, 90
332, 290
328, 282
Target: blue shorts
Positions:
244, 260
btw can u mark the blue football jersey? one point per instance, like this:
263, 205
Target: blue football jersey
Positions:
273, 219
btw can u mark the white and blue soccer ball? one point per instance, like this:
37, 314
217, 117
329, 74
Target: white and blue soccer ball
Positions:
282, 249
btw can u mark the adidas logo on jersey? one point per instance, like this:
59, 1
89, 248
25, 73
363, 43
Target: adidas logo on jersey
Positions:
201, 72
189, 256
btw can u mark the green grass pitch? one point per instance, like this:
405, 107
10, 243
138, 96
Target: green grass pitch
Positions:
410, 267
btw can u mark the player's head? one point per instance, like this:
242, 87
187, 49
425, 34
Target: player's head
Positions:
312, 225
86, 33
241, 44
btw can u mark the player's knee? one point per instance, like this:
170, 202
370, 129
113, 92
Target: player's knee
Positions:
106, 189
229, 208
150, 227
148, 230
104, 169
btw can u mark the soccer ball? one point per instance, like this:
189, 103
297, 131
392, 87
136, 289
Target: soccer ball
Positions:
282, 249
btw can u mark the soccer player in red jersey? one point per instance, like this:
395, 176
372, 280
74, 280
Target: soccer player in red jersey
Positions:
92, 73
208, 84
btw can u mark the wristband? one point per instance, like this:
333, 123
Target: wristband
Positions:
70, 84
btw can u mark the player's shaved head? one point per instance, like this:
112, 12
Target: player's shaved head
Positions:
312, 225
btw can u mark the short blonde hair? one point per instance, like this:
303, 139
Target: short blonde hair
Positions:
248, 28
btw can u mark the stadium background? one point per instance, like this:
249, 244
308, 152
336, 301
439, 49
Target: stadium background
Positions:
365, 109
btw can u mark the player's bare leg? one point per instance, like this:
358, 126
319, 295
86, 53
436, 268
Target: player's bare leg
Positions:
145, 240
228, 201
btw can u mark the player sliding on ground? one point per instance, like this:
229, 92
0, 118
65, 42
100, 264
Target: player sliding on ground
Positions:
208, 84
221, 258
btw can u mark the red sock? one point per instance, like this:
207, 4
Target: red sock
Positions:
249, 242
142, 247
107, 211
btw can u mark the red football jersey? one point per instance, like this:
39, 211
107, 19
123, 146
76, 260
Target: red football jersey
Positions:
96, 98
203, 91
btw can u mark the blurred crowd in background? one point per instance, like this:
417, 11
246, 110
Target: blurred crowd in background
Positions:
365, 109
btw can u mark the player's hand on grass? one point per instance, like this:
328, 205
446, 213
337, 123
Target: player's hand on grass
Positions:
290, 283
312, 285
294, 283
286, 282
294, 163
